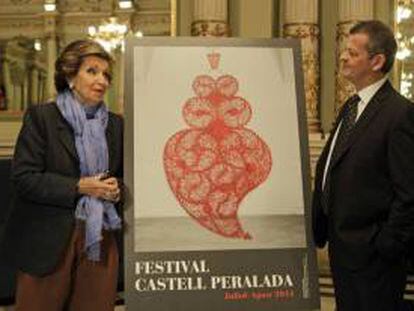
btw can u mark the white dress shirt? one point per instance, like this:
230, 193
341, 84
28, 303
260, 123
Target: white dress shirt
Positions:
366, 95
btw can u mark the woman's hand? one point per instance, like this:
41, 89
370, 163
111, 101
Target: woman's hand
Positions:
107, 189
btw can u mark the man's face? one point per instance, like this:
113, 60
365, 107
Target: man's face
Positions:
357, 64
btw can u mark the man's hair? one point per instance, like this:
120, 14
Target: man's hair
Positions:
69, 61
381, 40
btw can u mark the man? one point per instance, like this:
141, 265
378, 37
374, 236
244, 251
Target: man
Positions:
363, 203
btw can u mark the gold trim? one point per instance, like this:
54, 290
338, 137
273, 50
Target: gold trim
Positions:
210, 29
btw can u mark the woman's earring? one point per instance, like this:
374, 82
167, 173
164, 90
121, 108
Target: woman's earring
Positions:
71, 85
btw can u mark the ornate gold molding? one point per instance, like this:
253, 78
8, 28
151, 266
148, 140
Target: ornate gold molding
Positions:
309, 34
210, 28
301, 30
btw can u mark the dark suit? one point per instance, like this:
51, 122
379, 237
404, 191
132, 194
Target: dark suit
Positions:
45, 172
370, 221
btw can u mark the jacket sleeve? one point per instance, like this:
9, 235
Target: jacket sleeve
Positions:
32, 181
319, 219
397, 233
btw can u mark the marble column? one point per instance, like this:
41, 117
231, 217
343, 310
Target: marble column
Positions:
51, 48
17, 100
42, 87
25, 91
301, 21
210, 18
50, 91
350, 12
120, 67
34, 86
15, 73
8, 86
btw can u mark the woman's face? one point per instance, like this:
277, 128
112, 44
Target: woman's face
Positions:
92, 80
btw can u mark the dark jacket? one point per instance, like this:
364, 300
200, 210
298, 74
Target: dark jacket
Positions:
371, 203
45, 172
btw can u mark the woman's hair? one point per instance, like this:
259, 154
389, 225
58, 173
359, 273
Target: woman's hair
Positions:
69, 61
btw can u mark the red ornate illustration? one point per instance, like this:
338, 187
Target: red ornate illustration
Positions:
215, 163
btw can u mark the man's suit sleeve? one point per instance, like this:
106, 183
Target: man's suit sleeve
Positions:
396, 235
319, 223
29, 169
319, 219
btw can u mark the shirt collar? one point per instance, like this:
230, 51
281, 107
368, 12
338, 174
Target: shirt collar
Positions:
368, 92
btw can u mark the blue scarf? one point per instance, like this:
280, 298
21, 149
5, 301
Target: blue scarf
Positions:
92, 149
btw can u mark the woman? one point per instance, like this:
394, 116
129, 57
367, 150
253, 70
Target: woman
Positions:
66, 170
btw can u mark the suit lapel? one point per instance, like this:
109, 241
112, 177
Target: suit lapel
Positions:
324, 155
66, 136
325, 152
372, 108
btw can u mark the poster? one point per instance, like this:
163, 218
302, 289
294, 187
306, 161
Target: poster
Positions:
217, 176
